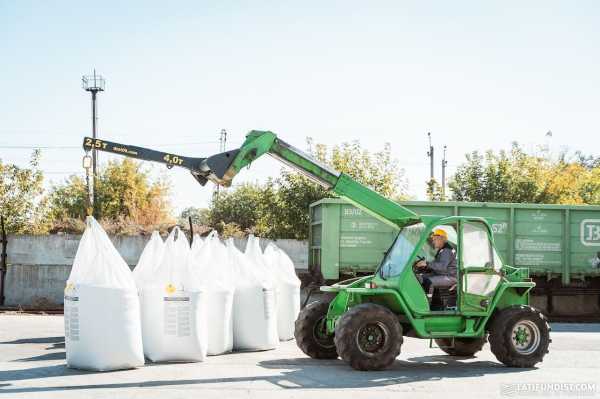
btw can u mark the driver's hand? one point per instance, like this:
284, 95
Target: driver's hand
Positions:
421, 263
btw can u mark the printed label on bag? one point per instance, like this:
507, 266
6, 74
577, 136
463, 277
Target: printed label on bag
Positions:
176, 299
269, 303
71, 311
178, 316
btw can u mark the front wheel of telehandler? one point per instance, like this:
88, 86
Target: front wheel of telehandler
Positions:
368, 337
311, 334
520, 336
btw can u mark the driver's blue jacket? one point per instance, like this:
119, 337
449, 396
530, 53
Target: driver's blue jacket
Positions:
444, 263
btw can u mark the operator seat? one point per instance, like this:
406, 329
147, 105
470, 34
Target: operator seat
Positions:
443, 298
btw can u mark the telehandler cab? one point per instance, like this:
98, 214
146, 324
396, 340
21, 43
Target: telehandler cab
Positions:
366, 320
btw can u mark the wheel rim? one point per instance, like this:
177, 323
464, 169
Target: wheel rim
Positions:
320, 334
525, 337
372, 338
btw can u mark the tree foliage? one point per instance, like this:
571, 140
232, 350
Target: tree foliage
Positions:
20, 189
515, 176
200, 216
279, 208
243, 205
434, 191
128, 200
295, 192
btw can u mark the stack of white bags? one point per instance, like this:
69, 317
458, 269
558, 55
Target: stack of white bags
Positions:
179, 304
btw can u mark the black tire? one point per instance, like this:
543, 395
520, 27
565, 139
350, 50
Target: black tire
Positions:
368, 337
309, 332
462, 346
520, 336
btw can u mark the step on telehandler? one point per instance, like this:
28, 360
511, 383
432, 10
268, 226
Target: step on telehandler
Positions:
366, 320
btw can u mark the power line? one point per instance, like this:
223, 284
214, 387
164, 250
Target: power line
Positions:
39, 147
71, 147
192, 143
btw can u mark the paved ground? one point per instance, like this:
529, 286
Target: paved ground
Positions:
32, 365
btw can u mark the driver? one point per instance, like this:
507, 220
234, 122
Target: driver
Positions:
441, 272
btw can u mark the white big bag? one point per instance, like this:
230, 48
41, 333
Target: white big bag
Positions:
288, 290
102, 309
211, 267
145, 271
174, 326
254, 311
197, 243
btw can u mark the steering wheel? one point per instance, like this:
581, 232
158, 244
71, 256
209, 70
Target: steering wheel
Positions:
414, 266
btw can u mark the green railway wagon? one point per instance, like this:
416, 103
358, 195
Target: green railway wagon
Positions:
560, 244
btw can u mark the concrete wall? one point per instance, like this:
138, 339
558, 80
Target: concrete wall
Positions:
38, 266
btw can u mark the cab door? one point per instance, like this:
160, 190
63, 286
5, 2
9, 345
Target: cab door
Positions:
480, 268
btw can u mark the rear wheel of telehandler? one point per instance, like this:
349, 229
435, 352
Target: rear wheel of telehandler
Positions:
369, 337
311, 334
462, 346
520, 336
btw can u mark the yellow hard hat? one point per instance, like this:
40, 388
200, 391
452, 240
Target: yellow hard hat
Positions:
440, 232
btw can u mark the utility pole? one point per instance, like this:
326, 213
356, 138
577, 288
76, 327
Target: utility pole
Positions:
444, 164
309, 145
430, 155
3, 269
94, 84
222, 140
222, 147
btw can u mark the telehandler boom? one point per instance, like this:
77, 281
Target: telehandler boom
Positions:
366, 320
221, 168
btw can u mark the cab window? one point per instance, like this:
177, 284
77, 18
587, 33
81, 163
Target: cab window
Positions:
477, 249
395, 260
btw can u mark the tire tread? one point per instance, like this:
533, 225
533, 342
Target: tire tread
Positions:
349, 324
500, 344
303, 331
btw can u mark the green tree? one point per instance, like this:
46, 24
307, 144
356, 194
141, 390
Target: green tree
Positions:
567, 182
285, 213
295, 192
20, 189
200, 216
242, 205
590, 187
68, 200
128, 199
279, 208
434, 191
124, 189
511, 176
516, 176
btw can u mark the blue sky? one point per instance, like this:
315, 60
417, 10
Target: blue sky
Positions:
478, 75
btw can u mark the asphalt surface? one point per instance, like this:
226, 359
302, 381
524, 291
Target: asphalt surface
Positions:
32, 365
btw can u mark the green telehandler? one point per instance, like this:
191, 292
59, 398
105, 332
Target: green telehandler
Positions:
366, 318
